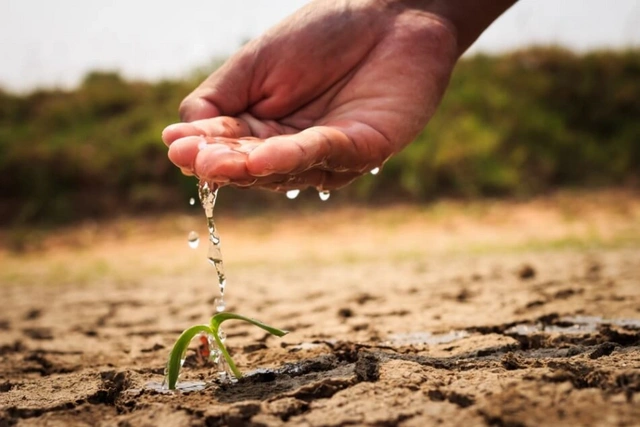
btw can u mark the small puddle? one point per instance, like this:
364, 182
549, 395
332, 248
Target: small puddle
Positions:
572, 325
181, 386
566, 325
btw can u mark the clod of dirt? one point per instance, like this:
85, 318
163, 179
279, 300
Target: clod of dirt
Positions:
287, 407
33, 314
535, 303
436, 395
526, 271
367, 367
512, 362
628, 381
155, 347
38, 333
360, 327
364, 298
5, 386
236, 416
113, 384
619, 335
16, 347
40, 364
464, 295
604, 349
250, 348
566, 293
345, 312
593, 271
462, 400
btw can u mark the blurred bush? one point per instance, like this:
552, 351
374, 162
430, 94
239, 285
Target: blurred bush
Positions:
516, 124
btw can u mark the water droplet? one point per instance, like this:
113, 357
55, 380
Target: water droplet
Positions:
292, 194
221, 306
193, 239
374, 171
192, 201
324, 195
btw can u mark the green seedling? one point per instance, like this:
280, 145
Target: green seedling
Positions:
180, 347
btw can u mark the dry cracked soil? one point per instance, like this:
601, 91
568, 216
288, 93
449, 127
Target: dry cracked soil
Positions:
498, 313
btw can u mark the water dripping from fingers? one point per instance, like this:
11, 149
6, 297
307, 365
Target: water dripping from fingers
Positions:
292, 194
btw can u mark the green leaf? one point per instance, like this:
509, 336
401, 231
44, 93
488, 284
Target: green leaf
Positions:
179, 348
217, 319
221, 317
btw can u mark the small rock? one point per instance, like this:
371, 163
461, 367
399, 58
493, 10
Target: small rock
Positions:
526, 272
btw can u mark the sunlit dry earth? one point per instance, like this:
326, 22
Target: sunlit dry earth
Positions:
479, 313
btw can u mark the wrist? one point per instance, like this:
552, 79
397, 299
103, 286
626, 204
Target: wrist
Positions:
466, 18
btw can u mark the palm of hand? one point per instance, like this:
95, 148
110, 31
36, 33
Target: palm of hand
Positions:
317, 101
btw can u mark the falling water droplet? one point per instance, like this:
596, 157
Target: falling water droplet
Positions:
221, 306
193, 239
192, 201
292, 194
374, 171
324, 195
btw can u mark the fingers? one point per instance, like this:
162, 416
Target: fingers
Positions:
323, 157
327, 147
221, 160
224, 160
228, 127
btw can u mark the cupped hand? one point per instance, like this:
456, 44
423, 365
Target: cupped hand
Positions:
325, 96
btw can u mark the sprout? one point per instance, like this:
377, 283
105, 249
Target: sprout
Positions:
180, 347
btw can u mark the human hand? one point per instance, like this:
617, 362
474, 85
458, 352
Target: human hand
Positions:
325, 96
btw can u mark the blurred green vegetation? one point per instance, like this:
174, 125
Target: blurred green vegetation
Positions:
516, 124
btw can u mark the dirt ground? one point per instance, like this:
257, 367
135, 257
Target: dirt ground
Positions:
484, 313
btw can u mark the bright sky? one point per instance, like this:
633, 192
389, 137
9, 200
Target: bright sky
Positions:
54, 43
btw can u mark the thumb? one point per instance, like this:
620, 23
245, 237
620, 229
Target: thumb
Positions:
224, 93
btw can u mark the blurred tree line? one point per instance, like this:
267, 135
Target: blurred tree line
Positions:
516, 124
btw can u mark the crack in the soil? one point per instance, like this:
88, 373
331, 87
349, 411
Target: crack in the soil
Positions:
14, 413
42, 365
